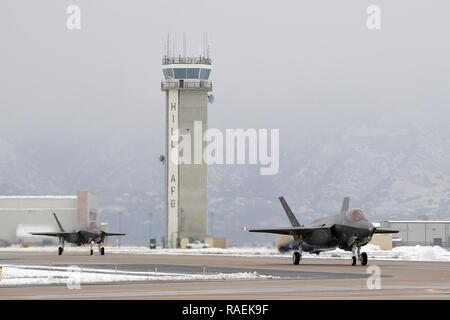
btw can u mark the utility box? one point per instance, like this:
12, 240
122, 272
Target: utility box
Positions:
216, 242
184, 242
384, 241
152, 243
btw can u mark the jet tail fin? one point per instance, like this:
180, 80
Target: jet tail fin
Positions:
59, 223
289, 213
345, 205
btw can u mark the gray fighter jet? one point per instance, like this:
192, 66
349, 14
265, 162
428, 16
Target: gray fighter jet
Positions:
79, 237
348, 230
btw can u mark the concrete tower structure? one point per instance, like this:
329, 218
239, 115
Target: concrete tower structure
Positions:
186, 84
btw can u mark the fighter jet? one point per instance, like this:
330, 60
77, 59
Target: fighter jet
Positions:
79, 237
348, 230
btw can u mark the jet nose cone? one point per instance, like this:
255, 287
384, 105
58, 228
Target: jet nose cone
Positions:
370, 228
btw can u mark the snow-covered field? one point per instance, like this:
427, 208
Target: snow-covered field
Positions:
413, 253
73, 276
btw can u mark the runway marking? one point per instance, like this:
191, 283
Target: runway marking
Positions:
231, 291
315, 279
180, 270
437, 290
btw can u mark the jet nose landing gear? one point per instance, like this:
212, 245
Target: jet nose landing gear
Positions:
61, 246
92, 250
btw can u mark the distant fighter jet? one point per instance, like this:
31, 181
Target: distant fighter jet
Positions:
348, 230
79, 237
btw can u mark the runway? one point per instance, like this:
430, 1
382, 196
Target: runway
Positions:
312, 279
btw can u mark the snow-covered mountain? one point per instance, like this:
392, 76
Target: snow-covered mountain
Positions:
20, 174
393, 168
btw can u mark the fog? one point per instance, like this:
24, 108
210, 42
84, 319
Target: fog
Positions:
83, 110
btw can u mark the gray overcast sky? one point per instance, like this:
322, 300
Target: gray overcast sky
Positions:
83, 109
269, 56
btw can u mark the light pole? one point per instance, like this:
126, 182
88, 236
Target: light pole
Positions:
162, 159
149, 225
120, 226
212, 223
150, 214
182, 222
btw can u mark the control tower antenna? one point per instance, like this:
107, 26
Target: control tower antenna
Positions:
168, 46
184, 44
207, 46
204, 44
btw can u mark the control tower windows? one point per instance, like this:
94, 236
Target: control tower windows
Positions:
204, 75
168, 73
186, 73
192, 73
180, 73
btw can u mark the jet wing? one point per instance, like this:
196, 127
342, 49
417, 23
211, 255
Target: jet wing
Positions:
289, 231
381, 230
107, 234
51, 234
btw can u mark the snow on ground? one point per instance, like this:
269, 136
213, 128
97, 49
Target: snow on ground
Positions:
73, 275
412, 253
420, 253
408, 253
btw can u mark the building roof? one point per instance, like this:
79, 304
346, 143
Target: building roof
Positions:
186, 60
38, 197
36, 209
417, 221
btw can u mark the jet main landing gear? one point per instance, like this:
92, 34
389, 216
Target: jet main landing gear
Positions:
297, 255
357, 255
364, 259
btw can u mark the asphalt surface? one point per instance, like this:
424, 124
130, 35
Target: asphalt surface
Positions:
282, 274
312, 279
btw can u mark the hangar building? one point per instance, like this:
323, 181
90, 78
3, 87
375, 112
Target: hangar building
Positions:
20, 215
416, 232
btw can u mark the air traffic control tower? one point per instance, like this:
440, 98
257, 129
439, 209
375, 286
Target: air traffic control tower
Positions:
186, 84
